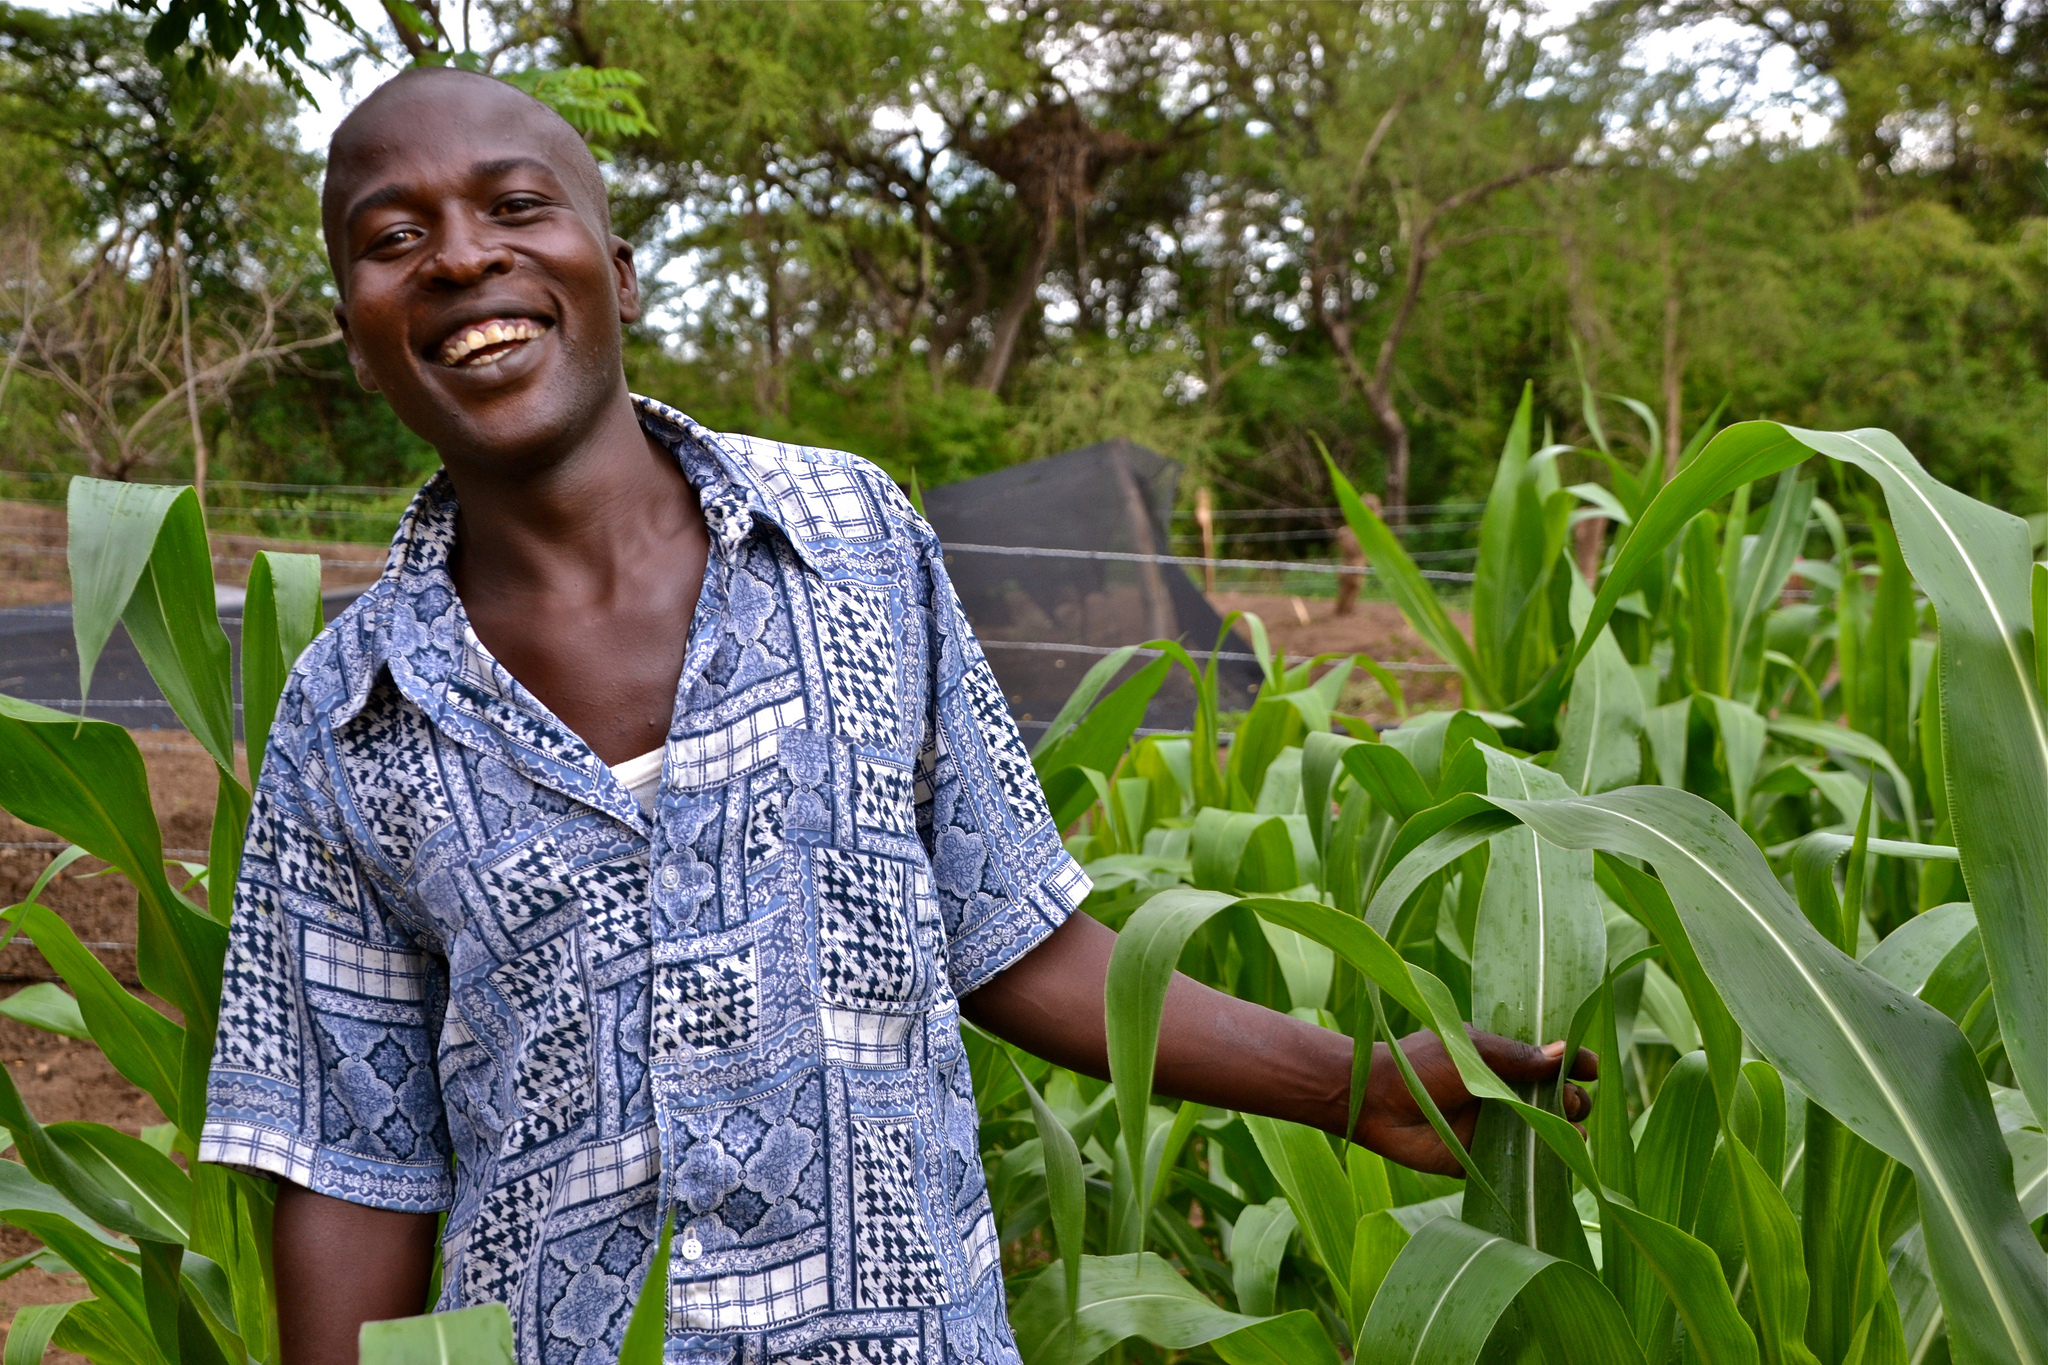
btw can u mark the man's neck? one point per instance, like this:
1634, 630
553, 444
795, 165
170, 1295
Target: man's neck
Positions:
578, 522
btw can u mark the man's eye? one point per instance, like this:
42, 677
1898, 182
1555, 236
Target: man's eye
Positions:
394, 238
520, 204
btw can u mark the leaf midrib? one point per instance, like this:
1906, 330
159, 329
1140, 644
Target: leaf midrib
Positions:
1983, 589
1936, 1173
1444, 1297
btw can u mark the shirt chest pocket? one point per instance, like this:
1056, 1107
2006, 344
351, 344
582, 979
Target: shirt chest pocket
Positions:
878, 929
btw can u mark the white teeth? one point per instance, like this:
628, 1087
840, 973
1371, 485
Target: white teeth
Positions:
459, 348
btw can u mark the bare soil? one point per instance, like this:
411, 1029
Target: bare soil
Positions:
32, 568
1306, 627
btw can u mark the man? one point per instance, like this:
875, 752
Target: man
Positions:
633, 848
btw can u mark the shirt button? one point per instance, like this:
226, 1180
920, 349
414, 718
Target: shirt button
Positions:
692, 1248
671, 877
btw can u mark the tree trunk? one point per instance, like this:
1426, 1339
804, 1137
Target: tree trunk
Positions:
1674, 358
191, 381
1382, 401
1023, 298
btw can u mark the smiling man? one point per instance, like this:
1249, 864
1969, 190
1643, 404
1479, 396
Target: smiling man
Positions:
632, 850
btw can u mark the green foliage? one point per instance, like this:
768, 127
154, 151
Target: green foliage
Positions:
850, 238
1734, 1217
1511, 868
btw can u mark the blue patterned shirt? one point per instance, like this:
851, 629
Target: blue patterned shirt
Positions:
468, 973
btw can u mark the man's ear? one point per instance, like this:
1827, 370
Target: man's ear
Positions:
355, 357
628, 277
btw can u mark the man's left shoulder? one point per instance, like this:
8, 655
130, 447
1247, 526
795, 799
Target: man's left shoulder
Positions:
827, 493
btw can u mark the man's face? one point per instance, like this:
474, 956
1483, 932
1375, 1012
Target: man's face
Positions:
480, 293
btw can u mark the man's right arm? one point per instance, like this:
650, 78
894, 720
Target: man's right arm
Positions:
340, 1265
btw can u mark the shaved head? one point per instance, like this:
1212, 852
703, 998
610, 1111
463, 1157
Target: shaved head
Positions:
422, 101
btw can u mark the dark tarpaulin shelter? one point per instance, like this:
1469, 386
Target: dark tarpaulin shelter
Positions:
1114, 495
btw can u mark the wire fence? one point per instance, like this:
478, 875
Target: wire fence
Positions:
1199, 561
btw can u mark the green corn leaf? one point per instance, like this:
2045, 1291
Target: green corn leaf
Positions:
1451, 1285
1668, 728
1142, 1296
1228, 847
1813, 878
50, 1164
175, 625
1410, 590
1322, 758
1894, 1070
1647, 902
46, 1006
1760, 581
29, 1335
107, 1274
1097, 742
1258, 1244
1691, 1275
1308, 1172
1851, 1040
1777, 1265
1063, 1182
1600, 748
1740, 454
2040, 603
1295, 1338
1511, 563
137, 1173
85, 780
1307, 966
647, 1328
1540, 950
1140, 968
1389, 775
1743, 733
21, 1190
1275, 722
1677, 1144
1381, 1238
280, 617
143, 1046
1706, 606
1975, 563
1672, 1252
98, 1330
1822, 735
1909, 955
113, 528
468, 1336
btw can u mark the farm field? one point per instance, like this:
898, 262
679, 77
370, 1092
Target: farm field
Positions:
1717, 815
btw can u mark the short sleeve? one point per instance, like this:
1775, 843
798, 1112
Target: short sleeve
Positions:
324, 1064
1003, 878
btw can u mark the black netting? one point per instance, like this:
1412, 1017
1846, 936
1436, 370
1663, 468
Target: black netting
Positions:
1116, 496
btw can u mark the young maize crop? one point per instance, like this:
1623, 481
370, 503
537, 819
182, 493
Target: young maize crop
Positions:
1782, 863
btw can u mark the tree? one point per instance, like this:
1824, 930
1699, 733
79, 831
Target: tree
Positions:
1389, 134
186, 254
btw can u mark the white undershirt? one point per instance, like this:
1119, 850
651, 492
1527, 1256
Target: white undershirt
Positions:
642, 777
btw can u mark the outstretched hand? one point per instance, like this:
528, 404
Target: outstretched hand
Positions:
1391, 1123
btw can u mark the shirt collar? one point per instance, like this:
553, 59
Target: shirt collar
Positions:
415, 590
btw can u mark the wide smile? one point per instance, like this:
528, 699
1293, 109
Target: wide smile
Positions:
480, 345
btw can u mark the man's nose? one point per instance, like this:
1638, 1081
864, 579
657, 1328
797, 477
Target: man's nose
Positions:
468, 252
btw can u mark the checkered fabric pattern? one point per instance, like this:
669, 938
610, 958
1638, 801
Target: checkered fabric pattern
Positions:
468, 973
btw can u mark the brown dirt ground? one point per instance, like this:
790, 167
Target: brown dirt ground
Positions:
32, 568
63, 1079
1375, 629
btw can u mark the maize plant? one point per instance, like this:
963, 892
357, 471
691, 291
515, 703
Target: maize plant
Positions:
1780, 858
